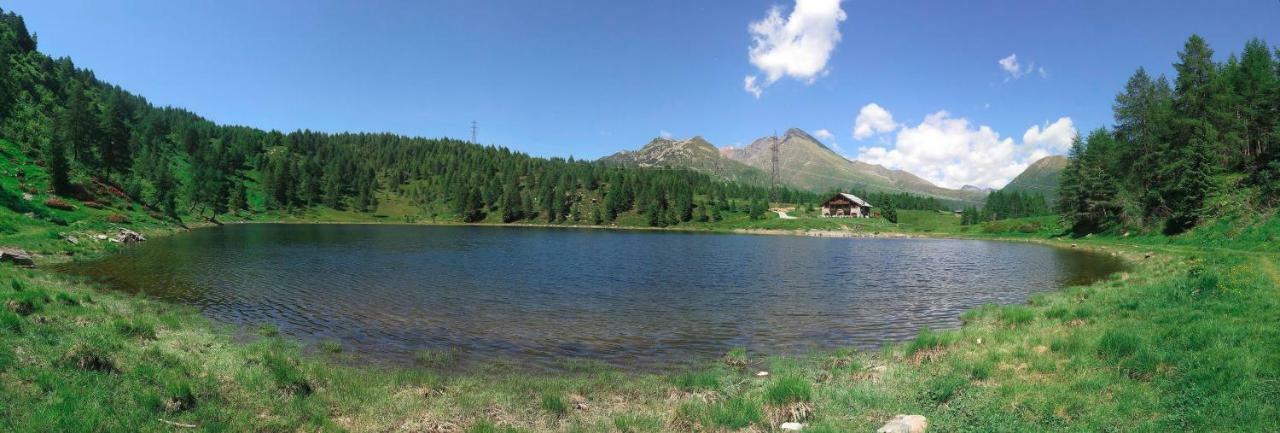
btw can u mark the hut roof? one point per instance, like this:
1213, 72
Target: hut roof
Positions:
852, 198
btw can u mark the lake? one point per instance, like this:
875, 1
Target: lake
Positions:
637, 299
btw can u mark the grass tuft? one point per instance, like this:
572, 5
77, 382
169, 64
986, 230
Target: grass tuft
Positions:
697, 380
554, 404
927, 339
135, 328
1016, 315
438, 358
788, 390
287, 374
735, 413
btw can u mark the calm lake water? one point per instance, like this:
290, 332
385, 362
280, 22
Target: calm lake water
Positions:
629, 298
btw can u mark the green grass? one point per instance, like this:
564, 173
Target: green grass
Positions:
788, 390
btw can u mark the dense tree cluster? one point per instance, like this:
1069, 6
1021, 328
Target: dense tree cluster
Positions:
899, 200
92, 135
1214, 131
1006, 204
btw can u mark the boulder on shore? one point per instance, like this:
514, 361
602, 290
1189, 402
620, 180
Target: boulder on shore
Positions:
905, 424
17, 257
127, 236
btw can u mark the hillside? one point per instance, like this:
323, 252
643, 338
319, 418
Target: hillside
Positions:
806, 163
1041, 177
695, 153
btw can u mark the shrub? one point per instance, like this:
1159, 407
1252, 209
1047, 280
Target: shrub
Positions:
788, 390
58, 203
116, 218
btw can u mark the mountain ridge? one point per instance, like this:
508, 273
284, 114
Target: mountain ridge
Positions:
1040, 177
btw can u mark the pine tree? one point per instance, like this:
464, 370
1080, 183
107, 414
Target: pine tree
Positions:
511, 209
59, 167
1186, 177
889, 212
239, 197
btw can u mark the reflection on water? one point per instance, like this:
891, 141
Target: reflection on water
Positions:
643, 299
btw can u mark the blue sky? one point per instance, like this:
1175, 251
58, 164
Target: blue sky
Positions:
590, 78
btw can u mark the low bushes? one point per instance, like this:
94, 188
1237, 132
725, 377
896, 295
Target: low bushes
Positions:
58, 203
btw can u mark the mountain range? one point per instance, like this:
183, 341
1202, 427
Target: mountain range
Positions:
803, 163
695, 154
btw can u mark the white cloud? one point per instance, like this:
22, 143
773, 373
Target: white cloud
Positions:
1010, 65
749, 84
873, 119
1054, 137
798, 46
664, 134
952, 151
826, 137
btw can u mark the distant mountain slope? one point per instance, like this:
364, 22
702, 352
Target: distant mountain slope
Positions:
806, 163
695, 153
1041, 177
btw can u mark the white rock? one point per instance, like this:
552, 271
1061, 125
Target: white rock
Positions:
791, 426
762, 374
101, 237
27, 196
905, 424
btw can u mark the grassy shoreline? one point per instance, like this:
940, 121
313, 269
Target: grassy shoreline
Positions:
1093, 358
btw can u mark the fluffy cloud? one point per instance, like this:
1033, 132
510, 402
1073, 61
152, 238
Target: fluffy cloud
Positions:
1054, 137
873, 119
749, 84
798, 46
826, 137
1016, 70
1011, 66
952, 151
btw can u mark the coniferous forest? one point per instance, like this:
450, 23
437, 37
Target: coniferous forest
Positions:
1205, 145
95, 138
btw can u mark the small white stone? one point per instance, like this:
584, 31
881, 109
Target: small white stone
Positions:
762, 374
791, 426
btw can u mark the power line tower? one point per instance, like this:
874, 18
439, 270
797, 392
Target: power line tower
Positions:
473, 132
775, 147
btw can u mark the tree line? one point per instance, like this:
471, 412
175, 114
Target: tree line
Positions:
91, 135
1184, 151
1005, 205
